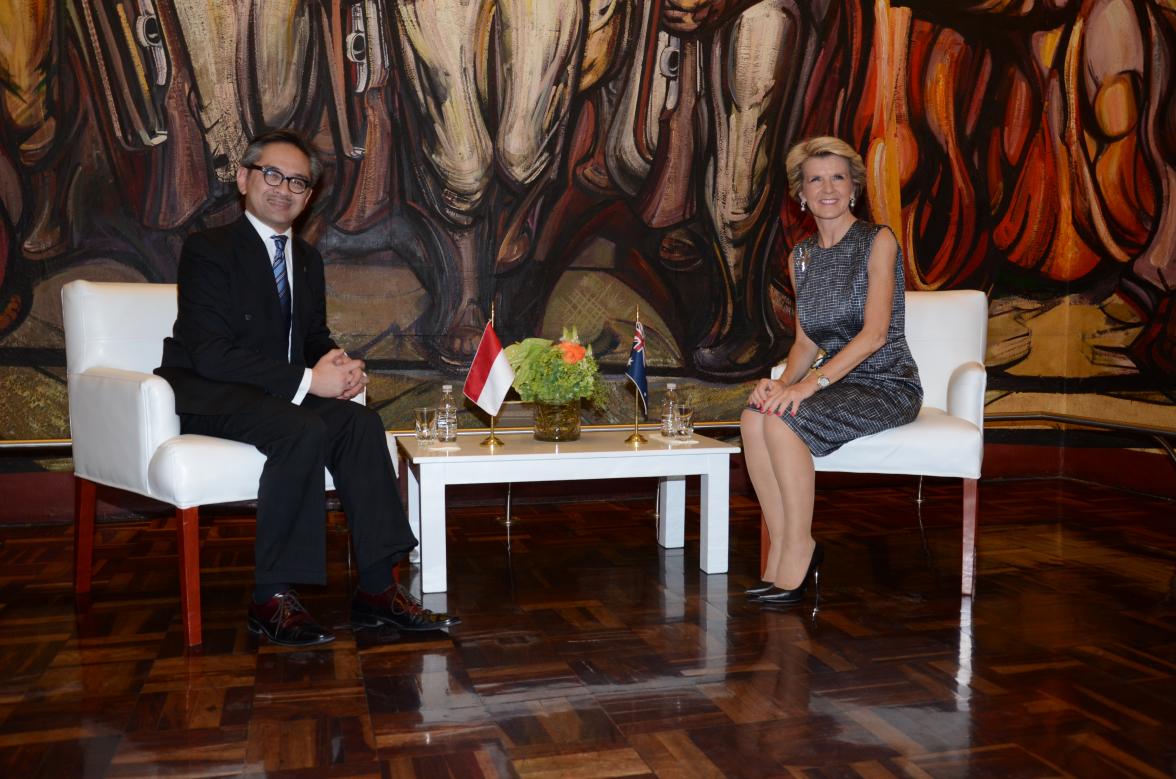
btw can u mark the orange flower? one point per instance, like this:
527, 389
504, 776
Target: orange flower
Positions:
572, 352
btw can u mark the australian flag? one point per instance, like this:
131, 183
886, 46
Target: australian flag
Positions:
635, 370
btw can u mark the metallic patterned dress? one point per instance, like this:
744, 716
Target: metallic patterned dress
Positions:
883, 391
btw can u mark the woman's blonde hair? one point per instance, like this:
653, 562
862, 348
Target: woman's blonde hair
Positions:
823, 146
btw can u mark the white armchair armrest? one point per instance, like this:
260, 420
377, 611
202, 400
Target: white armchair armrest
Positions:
118, 419
965, 393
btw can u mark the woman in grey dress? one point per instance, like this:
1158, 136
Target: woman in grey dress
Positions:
849, 287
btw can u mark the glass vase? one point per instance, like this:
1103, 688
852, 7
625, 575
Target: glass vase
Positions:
557, 421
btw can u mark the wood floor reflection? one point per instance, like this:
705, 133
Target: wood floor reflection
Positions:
588, 651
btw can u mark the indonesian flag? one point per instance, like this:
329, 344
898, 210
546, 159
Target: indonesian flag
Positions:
490, 376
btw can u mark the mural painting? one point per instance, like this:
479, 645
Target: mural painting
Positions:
568, 161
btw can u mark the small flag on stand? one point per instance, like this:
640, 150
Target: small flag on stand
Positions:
490, 375
635, 369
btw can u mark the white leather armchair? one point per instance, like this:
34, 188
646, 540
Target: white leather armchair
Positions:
947, 333
125, 430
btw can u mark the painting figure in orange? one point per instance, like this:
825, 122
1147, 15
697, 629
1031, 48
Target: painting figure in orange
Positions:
1042, 141
30, 100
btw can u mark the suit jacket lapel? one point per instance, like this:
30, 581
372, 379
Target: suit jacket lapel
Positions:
256, 262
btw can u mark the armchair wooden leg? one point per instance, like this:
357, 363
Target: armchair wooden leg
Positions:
85, 508
188, 543
968, 569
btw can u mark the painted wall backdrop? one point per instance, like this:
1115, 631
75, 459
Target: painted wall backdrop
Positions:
571, 160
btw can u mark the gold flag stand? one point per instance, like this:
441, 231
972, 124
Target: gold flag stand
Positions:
635, 437
492, 440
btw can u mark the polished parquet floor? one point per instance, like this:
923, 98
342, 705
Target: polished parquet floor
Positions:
588, 651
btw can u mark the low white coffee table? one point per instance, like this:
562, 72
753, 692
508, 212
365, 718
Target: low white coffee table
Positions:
599, 454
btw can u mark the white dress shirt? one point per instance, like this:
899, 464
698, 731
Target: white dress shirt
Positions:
267, 237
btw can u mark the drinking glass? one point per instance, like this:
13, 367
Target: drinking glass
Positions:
426, 425
684, 419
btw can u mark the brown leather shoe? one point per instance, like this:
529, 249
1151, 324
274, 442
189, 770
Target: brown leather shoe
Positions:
283, 620
396, 607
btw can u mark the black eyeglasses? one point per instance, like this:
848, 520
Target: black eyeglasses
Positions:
275, 177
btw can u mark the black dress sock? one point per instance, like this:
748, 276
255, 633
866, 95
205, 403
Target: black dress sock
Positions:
263, 592
377, 577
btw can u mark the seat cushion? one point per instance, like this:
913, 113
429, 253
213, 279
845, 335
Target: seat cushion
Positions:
935, 444
198, 470
195, 470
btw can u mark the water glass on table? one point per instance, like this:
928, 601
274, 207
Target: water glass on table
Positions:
684, 422
426, 425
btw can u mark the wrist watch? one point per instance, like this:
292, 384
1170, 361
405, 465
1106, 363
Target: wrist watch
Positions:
822, 380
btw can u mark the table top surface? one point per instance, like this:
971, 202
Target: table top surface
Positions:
521, 445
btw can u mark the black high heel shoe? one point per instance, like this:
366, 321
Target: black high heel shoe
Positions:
758, 590
781, 597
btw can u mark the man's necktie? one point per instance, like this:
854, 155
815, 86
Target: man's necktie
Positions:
280, 279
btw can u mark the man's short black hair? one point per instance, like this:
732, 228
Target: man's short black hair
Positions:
253, 150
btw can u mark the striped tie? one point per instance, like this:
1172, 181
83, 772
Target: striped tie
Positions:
280, 277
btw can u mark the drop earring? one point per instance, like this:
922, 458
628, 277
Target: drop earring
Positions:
803, 205
852, 200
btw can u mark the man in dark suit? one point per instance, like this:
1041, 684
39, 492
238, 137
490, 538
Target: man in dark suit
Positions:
251, 359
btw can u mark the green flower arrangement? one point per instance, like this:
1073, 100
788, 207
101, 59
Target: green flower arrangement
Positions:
556, 371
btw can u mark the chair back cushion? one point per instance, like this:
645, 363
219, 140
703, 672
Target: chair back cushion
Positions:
116, 325
945, 329
118, 412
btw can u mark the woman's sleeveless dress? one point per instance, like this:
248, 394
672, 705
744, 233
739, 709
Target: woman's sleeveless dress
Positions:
883, 391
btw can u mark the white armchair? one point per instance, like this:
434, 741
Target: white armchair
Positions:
125, 430
947, 333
